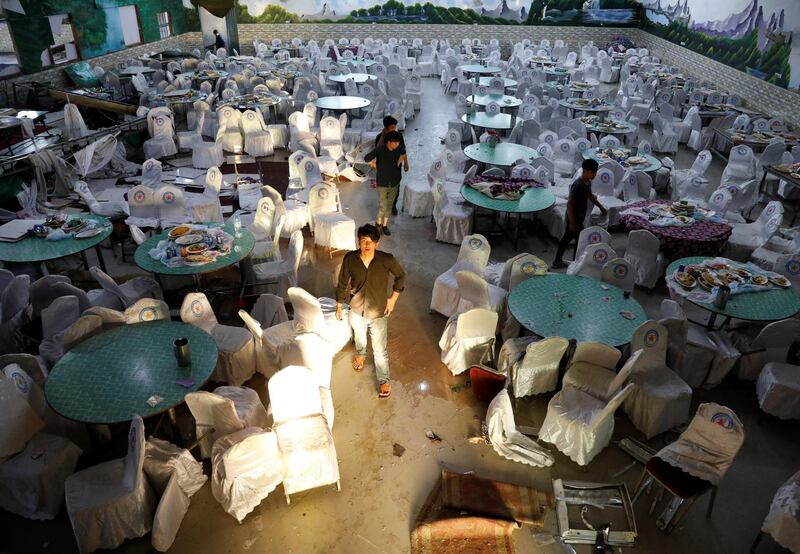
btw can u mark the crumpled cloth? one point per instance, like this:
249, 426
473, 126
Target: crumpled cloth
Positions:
507, 441
502, 188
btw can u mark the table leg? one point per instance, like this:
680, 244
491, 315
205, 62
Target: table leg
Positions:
100, 260
711, 321
176, 433
516, 232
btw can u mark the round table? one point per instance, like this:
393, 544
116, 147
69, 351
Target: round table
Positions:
504, 154
653, 163
488, 120
352, 61
33, 249
356, 77
503, 100
765, 306
534, 199
341, 103
484, 81
624, 129
477, 69
575, 307
134, 70
556, 72
600, 109
242, 246
701, 238
109, 377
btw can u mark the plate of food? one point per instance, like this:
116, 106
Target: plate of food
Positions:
685, 280
73, 225
637, 160
88, 233
179, 231
683, 218
780, 281
760, 280
199, 258
198, 248
716, 265
708, 281
743, 272
186, 240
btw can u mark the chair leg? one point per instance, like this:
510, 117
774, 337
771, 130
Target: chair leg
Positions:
675, 511
756, 542
643, 482
711, 501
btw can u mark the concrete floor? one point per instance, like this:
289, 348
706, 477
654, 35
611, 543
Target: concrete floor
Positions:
381, 492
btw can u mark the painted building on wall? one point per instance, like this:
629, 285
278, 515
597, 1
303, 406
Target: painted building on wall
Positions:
98, 26
754, 36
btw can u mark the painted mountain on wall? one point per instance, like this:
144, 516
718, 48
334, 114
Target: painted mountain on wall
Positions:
466, 12
751, 38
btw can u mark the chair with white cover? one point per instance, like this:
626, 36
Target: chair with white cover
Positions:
237, 359
304, 437
453, 221
537, 371
473, 255
591, 368
662, 399
14, 314
580, 425
589, 235
331, 228
162, 144
32, 481
782, 522
129, 292
620, 273
564, 157
257, 139
468, 339
229, 134
704, 451
330, 138
222, 412
246, 466
741, 166
772, 344
113, 501
277, 276
206, 154
507, 441
591, 262
747, 237
643, 253
665, 139
475, 292
147, 309
778, 390
110, 209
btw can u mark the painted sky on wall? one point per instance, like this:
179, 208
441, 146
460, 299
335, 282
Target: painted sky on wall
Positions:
344, 7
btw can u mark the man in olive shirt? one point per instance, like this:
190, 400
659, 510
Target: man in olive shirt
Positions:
365, 275
387, 158
579, 206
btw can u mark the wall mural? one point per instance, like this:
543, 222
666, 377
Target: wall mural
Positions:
465, 12
96, 25
754, 36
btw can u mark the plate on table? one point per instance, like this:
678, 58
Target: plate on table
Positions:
73, 225
199, 258
760, 280
637, 160
88, 233
198, 248
685, 280
181, 230
780, 281
186, 240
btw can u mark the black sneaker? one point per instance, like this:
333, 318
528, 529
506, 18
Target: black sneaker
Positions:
386, 230
558, 264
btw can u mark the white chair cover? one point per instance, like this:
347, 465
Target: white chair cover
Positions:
332, 229
507, 441
643, 254
473, 255
113, 501
468, 339
778, 390
783, 520
19, 422
537, 372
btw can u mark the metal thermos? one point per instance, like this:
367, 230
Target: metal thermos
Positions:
723, 293
182, 352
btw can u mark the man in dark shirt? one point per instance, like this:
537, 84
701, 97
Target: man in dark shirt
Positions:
579, 206
387, 159
389, 125
218, 40
365, 275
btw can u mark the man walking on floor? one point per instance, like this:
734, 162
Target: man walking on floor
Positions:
579, 208
389, 125
365, 276
387, 157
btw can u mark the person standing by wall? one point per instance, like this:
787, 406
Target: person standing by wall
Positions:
387, 158
579, 208
365, 276
219, 42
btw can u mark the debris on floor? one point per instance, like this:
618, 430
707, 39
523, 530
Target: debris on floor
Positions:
433, 436
398, 449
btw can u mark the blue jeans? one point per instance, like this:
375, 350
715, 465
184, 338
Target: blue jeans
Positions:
378, 331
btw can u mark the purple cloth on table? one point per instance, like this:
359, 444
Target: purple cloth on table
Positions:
702, 238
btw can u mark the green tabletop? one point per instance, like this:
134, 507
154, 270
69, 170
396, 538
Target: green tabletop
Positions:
488, 120
771, 305
504, 100
503, 154
242, 246
33, 249
109, 377
533, 199
341, 103
575, 307
484, 81
480, 69
356, 77
653, 163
